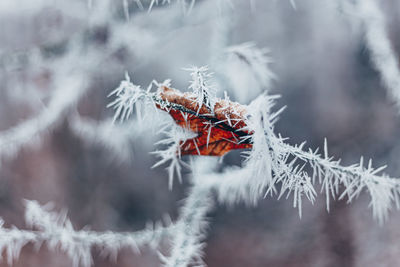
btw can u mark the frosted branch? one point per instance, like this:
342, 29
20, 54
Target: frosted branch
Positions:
255, 59
187, 245
56, 231
116, 138
383, 55
63, 98
272, 161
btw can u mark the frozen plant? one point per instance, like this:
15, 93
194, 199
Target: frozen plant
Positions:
271, 166
198, 127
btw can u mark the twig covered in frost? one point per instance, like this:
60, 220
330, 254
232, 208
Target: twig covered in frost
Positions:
383, 55
247, 66
69, 92
56, 231
187, 247
70, 86
255, 59
187, 244
116, 138
384, 190
272, 161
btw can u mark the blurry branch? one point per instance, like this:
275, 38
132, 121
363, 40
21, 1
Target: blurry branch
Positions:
71, 75
189, 235
115, 138
83, 58
246, 65
256, 60
293, 3
63, 98
382, 53
56, 231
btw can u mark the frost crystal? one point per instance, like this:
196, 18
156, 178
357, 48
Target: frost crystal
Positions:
127, 94
174, 137
205, 93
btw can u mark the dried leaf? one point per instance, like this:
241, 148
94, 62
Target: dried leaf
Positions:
218, 131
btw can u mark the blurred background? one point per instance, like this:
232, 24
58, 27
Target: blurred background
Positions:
60, 59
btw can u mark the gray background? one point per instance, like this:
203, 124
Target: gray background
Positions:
324, 75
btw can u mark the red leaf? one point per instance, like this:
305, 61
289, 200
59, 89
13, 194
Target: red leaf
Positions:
218, 131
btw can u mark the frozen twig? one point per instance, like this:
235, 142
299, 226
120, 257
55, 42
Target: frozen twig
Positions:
272, 161
383, 55
118, 139
256, 60
187, 244
56, 231
63, 99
